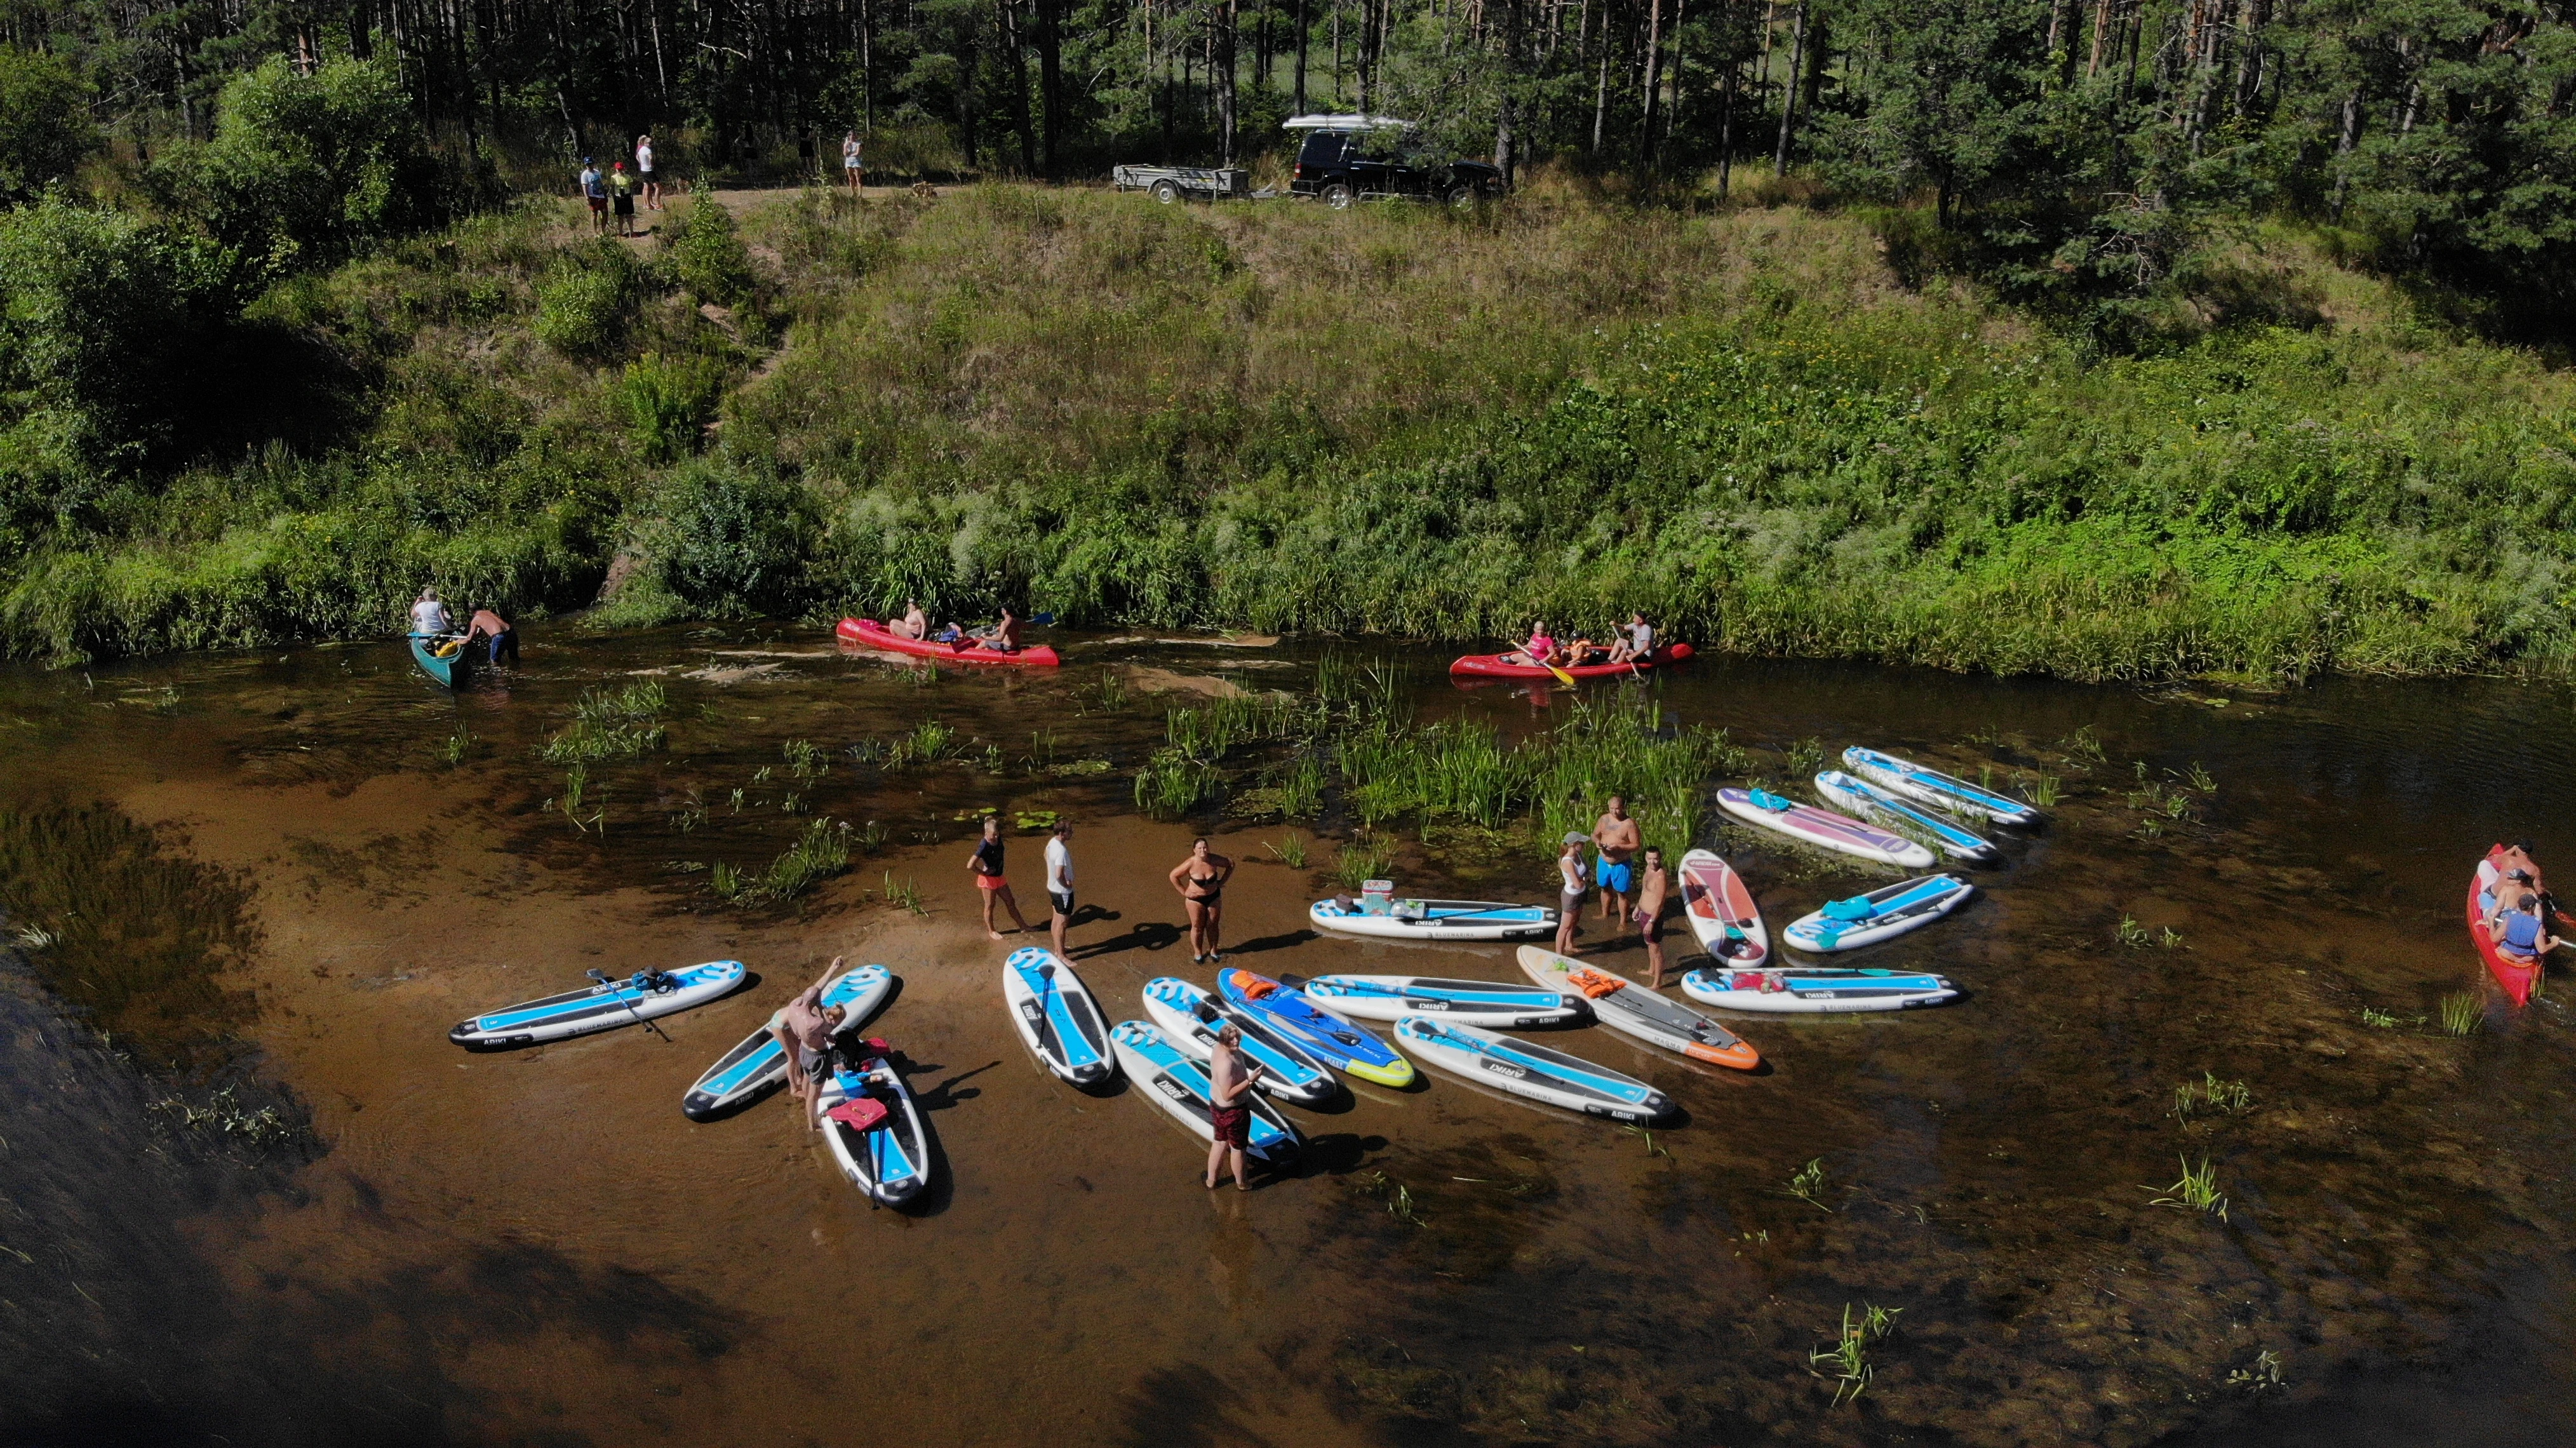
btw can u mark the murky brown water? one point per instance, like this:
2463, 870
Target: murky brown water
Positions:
538, 1248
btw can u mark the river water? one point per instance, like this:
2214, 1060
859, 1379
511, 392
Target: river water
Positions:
284, 885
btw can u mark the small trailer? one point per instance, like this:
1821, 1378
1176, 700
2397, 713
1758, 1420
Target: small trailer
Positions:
1170, 183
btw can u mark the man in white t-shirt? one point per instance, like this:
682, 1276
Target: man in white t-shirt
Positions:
429, 616
1059, 884
1636, 640
644, 171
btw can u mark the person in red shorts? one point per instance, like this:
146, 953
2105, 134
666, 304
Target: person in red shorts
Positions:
1230, 1079
986, 862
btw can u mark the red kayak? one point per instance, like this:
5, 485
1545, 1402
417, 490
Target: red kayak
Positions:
2516, 979
867, 633
1491, 666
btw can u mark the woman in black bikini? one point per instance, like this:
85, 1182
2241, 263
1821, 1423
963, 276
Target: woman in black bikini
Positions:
1201, 881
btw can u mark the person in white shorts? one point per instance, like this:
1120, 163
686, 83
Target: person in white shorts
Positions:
1059, 884
644, 170
853, 165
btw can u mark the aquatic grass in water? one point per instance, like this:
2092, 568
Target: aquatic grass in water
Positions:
2043, 791
459, 746
1809, 1184
1205, 732
612, 724
2197, 1191
1362, 860
2209, 1093
905, 893
820, 853
2463, 1012
1172, 783
1291, 851
805, 759
1849, 1356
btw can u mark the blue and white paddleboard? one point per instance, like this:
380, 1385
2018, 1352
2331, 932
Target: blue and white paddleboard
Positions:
1932, 787
1179, 1085
759, 1065
1437, 920
1882, 914
1525, 1068
1189, 1019
1815, 989
1470, 1002
603, 1006
1057, 1016
890, 1160
1318, 1032
1882, 806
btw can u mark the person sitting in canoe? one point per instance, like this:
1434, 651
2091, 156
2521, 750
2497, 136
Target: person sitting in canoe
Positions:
489, 625
2519, 935
1580, 652
1001, 638
429, 616
1538, 653
1636, 641
913, 625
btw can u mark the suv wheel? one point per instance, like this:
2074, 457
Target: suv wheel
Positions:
1166, 193
1339, 196
1463, 196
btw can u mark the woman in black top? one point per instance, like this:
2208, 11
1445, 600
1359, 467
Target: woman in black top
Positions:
986, 862
1201, 880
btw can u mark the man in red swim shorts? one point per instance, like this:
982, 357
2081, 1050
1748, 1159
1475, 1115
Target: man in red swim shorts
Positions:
1230, 1079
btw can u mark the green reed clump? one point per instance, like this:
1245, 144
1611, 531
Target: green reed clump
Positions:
2197, 1191
1290, 850
904, 892
2260, 1376
2209, 1093
2134, 935
725, 881
224, 1115
1205, 732
1365, 858
2043, 790
2463, 1012
1301, 788
459, 746
1809, 1184
612, 724
1171, 783
805, 759
1849, 1355
818, 854
930, 741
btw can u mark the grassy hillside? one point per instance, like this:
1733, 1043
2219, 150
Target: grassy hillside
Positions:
1398, 420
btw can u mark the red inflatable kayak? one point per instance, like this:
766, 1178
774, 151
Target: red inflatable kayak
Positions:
2516, 979
867, 633
1491, 666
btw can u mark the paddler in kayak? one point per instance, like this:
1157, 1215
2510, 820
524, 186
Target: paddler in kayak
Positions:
913, 625
1636, 641
1001, 638
1539, 652
2518, 933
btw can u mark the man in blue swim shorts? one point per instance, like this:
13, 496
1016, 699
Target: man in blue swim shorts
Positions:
1615, 836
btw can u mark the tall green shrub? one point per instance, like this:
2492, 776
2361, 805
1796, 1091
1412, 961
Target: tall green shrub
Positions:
45, 129
730, 539
586, 302
708, 254
669, 401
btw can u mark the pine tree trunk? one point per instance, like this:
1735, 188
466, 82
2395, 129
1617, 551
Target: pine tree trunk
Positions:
1789, 91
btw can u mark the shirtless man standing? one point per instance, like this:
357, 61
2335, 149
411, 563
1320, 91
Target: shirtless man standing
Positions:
804, 1028
1651, 891
1230, 1079
1616, 837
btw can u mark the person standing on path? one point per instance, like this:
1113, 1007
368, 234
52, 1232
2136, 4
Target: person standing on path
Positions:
1059, 884
1230, 1079
1569, 891
986, 862
644, 172
1200, 879
621, 198
594, 191
1650, 915
1617, 837
854, 169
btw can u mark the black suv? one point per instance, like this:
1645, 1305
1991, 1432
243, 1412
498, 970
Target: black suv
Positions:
1340, 164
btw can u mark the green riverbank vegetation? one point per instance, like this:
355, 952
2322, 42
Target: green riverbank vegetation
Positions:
263, 386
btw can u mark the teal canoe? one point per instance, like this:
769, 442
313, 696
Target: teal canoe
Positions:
453, 671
